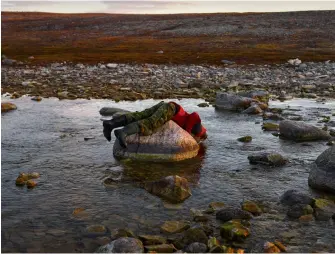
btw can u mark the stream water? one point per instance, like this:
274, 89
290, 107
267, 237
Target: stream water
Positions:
48, 137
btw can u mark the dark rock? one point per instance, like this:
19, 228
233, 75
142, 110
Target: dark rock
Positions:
193, 235
245, 139
299, 131
269, 159
299, 210
292, 197
196, 248
230, 213
324, 209
322, 174
233, 102
161, 248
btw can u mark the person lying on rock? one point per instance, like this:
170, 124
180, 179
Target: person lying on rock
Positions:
149, 120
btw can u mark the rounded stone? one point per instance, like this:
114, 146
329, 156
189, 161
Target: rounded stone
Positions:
169, 143
7, 106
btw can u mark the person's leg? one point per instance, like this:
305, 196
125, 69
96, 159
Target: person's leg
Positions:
128, 118
148, 125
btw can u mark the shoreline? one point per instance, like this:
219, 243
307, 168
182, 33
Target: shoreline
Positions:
146, 81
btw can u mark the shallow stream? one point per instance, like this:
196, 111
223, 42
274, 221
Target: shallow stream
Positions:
48, 137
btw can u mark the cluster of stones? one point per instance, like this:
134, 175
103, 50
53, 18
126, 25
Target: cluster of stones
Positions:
132, 82
26, 179
193, 237
305, 208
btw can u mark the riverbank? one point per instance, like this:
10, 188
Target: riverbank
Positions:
137, 82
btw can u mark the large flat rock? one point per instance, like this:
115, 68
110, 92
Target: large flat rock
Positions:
169, 143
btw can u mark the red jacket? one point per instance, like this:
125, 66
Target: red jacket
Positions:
188, 121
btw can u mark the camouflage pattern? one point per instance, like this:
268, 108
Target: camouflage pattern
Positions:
150, 119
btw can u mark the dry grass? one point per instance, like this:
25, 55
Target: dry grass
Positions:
76, 42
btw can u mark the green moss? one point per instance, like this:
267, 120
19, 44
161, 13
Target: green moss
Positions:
268, 126
251, 207
234, 230
245, 139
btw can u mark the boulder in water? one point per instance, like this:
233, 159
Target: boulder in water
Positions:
292, 197
169, 143
269, 159
322, 174
299, 131
260, 95
7, 106
232, 102
172, 188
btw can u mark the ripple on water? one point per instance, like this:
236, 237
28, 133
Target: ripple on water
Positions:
72, 173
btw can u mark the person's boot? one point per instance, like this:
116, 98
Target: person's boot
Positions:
129, 129
109, 125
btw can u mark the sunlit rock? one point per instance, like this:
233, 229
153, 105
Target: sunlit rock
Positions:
299, 131
7, 106
169, 143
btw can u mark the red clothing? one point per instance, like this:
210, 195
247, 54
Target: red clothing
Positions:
188, 121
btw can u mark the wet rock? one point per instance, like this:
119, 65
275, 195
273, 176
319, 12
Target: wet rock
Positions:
272, 116
95, 230
20, 181
198, 216
79, 213
233, 230
280, 246
36, 98
299, 210
7, 106
33, 175
270, 159
330, 143
25, 176
216, 205
322, 174
161, 248
230, 213
193, 235
172, 188
245, 139
306, 218
292, 197
251, 207
268, 126
203, 105
253, 109
299, 131
122, 232
31, 184
122, 245
152, 239
259, 95
232, 102
169, 143
196, 248
324, 209
174, 227
270, 248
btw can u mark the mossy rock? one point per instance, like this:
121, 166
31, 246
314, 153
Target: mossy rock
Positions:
152, 239
251, 207
324, 209
270, 159
122, 232
193, 235
161, 248
268, 126
234, 231
245, 139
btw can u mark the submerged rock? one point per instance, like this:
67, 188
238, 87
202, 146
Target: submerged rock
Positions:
299, 131
169, 143
270, 159
161, 248
172, 188
174, 227
152, 239
230, 213
292, 197
122, 245
322, 174
7, 106
196, 248
251, 207
298, 210
324, 209
193, 235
